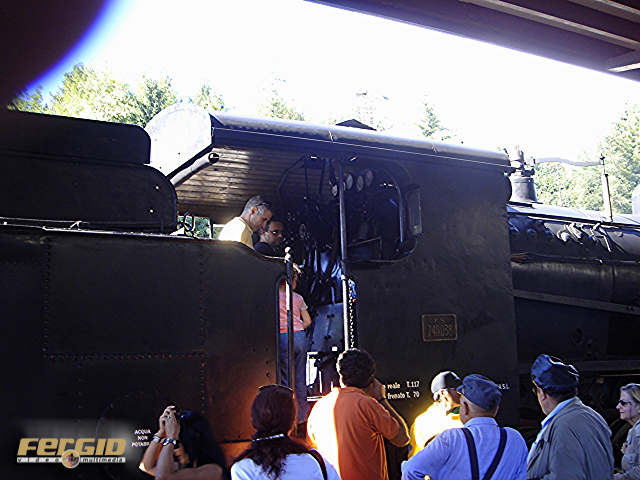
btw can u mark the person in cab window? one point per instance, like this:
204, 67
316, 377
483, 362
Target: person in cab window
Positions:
271, 239
257, 212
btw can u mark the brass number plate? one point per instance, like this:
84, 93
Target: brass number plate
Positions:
436, 328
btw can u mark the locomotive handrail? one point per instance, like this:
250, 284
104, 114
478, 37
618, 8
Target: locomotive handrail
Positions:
548, 216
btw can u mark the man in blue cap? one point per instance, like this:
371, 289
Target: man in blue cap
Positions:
479, 450
574, 442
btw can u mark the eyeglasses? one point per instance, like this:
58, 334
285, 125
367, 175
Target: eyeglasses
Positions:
534, 389
623, 403
275, 232
264, 204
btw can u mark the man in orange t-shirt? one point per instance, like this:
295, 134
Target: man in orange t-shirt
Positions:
347, 426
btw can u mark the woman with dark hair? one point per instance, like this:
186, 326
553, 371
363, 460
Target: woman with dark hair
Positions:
184, 448
273, 455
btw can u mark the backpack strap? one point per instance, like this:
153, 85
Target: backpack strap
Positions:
473, 454
320, 460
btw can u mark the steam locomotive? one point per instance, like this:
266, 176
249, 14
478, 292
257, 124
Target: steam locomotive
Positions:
411, 249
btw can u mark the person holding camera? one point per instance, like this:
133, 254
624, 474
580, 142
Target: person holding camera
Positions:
184, 448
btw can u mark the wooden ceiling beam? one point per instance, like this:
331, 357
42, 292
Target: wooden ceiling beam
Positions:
612, 8
552, 21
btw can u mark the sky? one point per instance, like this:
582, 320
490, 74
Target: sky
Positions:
320, 57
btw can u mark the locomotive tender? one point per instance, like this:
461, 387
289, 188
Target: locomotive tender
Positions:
410, 250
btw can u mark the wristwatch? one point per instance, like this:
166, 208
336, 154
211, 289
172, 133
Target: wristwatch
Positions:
168, 441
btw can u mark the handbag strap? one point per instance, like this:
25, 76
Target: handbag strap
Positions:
315, 454
473, 454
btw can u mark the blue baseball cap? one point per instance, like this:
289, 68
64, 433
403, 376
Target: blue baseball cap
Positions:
480, 391
553, 376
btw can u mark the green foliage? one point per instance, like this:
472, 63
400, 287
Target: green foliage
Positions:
621, 149
553, 184
582, 187
277, 107
152, 97
208, 99
202, 227
27, 102
430, 125
96, 95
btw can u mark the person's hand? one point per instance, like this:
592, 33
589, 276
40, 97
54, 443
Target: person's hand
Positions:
172, 426
624, 448
163, 418
377, 390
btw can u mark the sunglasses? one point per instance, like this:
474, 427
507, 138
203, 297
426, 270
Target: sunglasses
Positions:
275, 385
535, 389
623, 403
264, 204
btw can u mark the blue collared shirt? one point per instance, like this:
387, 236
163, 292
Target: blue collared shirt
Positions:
545, 422
447, 456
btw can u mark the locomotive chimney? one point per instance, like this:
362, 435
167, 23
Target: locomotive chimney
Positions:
522, 186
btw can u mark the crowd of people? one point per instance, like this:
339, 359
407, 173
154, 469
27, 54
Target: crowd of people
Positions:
456, 438
347, 428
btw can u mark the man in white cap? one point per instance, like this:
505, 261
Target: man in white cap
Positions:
442, 415
574, 442
479, 450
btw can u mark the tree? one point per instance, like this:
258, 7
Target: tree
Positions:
553, 184
96, 95
582, 187
621, 149
277, 107
368, 108
152, 97
208, 99
29, 102
430, 125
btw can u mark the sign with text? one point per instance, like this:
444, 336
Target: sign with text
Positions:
436, 328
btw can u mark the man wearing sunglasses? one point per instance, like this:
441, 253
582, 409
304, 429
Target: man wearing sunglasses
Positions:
270, 239
574, 442
255, 215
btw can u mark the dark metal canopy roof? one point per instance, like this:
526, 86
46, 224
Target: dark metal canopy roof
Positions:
278, 158
602, 35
